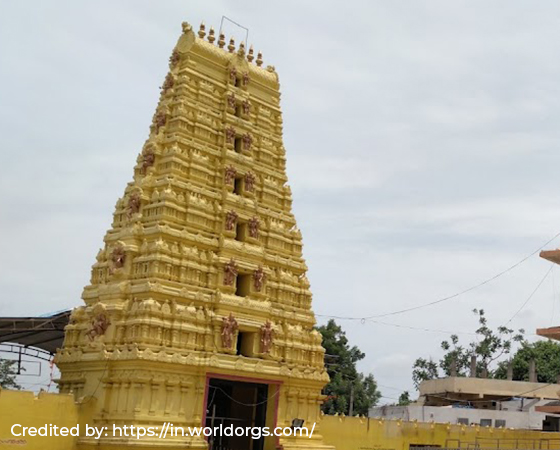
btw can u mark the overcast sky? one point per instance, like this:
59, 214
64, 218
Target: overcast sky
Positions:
422, 141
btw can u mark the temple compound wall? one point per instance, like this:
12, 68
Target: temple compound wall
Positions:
345, 433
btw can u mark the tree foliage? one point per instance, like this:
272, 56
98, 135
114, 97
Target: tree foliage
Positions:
547, 360
340, 360
404, 399
8, 375
489, 346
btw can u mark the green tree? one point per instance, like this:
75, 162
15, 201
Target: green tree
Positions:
8, 375
424, 369
345, 380
489, 347
404, 399
547, 360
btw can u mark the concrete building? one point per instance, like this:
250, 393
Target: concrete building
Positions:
484, 402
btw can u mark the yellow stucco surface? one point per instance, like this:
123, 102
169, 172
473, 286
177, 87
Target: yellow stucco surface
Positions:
29, 410
354, 433
345, 433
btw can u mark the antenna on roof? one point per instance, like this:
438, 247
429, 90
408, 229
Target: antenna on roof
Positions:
235, 23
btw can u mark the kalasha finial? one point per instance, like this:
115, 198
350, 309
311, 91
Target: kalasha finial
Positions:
222, 40
211, 37
231, 46
250, 55
241, 51
202, 31
259, 59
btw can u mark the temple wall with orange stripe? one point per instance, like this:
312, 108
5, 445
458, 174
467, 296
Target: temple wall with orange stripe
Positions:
353, 433
344, 433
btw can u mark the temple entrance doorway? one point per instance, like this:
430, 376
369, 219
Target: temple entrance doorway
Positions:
238, 404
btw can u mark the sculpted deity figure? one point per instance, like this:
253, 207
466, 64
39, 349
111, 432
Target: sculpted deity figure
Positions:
159, 120
230, 134
230, 272
258, 279
254, 227
133, 204
148, 159
229, 327
117, 257
233, 74
230, 174
99, 325
267, 335
250, 181
231, 101
246, 107
247, 141
231, 220
174, 58
168, 83
245, 78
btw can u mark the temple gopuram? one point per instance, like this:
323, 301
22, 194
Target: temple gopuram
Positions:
199, 308
198, 313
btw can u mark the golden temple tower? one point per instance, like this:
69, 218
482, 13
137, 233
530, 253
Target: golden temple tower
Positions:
199, 309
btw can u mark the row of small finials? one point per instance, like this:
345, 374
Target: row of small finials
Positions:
231, 45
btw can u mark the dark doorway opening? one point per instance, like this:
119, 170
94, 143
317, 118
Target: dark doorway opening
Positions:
236, 404
243, 286
551, 423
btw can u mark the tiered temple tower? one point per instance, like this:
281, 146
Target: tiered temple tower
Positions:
199, 306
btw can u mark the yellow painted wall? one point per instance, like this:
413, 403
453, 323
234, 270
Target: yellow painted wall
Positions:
354, 433
29, 410
345, 433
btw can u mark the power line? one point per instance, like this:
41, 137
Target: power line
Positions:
445, 299
391, 387
245, 404
429, 330
530, 296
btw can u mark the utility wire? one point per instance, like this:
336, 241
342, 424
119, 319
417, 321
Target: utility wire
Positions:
444, 299
467, 333
391, 387
530, 296
245, 404
429, 330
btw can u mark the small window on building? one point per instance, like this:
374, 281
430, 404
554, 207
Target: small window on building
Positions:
239, 343
245, 342
240, 231
239, 110
463, 421
500, 423
485, 422
238, 144
243, 287
238, 186
551, 423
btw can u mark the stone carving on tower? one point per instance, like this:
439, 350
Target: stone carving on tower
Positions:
267, 334
229, 327
203, 250
99, 323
